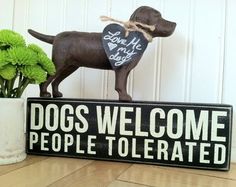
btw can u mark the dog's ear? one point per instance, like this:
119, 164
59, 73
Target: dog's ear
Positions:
139, 15
146, 15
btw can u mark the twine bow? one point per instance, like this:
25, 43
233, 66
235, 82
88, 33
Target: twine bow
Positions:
132, 26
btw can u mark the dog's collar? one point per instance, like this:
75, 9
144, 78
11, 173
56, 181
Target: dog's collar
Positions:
132, 26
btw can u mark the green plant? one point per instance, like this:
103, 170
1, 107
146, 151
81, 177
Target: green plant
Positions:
21, 64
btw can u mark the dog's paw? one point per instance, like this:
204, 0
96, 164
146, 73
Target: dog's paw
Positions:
126, 98
57, 94
45, 94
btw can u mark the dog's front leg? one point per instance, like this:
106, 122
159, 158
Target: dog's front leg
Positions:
121, 76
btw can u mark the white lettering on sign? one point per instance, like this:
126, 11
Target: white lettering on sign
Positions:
196, 128
177, 152
106, 122
162, 151
216, 125
173, 134
190, 150
57, 139
204, 153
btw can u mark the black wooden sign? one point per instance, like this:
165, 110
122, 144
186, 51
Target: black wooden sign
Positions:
121, 49
174, 134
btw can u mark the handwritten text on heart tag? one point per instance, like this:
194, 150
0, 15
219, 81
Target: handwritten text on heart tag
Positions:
120, 49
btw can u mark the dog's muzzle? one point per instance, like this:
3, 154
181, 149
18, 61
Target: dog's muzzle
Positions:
164, 28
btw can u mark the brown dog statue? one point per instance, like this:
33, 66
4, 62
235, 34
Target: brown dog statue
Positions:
72, 50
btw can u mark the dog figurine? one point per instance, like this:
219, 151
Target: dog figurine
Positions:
72, 50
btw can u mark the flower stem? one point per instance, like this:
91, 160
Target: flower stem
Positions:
10, 84
3, 87
25, 82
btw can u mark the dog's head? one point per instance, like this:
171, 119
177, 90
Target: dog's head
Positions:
150, 16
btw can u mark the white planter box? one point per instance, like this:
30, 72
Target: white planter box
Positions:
12, 136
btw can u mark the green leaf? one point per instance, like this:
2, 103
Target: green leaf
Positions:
22, 56
35, 73
3, 58
43, 60
46, 64
21, 63
8, 72
36, 49
9, 39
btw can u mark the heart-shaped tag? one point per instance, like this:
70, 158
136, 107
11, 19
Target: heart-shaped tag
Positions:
121, 50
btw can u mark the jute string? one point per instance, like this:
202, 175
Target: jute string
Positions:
132, 26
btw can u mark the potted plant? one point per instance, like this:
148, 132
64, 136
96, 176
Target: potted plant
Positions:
20, 65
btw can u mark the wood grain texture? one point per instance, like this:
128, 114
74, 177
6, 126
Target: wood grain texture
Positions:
40, 171
124, 184
95, 174
161, 176
30, 160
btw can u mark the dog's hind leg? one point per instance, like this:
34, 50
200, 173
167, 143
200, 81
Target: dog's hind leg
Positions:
43, 87
61, 75
121, 83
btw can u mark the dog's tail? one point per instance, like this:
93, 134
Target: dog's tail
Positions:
46, 38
